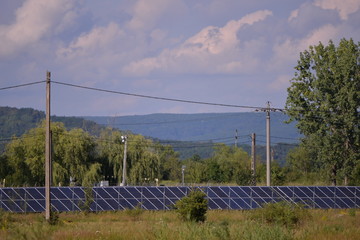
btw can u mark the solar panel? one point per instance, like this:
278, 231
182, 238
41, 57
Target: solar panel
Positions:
32, 199
325, 192
240, 192
304, 192
262, 192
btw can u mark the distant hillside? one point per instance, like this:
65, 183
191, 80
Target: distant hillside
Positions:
195, 134
218, 127
15, 121
189, 134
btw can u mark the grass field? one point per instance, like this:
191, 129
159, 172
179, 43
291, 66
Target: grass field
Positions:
138, 224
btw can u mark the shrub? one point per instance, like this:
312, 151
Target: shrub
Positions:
54, 217
281, 213
192, 207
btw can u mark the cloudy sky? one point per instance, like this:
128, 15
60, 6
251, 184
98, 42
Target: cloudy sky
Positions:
239, 52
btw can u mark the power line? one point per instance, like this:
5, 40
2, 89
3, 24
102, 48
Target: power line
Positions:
169, 122
156, 98
21, 85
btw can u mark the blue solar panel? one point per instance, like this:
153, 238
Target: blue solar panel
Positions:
286, 191
216, 192
345, 192
344, 203
325, 191
176, 192
34, 193
218, 203
159, 198
57, 194
132, 192
78, 193
112, 191
262, 192
35, 205
157, 192
303, 192
243, 203
240, 192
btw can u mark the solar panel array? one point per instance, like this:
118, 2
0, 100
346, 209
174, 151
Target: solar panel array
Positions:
32, 199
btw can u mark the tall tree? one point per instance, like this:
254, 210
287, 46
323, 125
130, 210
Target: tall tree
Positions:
324, 99
73, 156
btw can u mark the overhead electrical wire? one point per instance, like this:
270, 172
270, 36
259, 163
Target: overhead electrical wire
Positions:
169, 122
21, 85
157, 98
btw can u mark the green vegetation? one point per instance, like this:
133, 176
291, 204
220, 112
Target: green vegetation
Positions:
324, 99
319, 225
281, 213
192, 207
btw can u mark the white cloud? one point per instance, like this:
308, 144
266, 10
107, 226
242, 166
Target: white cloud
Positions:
35, 20
344, 7
294, 14
288, 50
98, 39
146, 14
212, 50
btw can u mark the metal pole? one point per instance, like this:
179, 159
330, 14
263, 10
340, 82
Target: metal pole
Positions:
183, 175
124, 161
236, 138
47, 151
253, 158
268, 160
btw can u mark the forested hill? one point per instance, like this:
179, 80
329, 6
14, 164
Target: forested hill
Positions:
15, 122
195, 130
180, 127
205, 127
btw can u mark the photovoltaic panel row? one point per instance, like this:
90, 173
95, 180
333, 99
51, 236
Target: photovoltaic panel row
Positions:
159, 198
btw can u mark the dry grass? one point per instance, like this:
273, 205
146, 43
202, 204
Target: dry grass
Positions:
323, 224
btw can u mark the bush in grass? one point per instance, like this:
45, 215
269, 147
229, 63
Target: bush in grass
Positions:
192, 207
54, 217
281, 213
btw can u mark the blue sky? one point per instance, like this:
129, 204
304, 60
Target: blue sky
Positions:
221, 51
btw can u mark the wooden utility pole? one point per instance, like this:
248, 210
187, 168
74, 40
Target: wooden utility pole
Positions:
253, 158
47, 151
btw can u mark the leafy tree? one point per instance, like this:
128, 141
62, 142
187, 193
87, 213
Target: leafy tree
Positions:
232, 162
324, 99
73, 155
170, 166
111, 154
194, 172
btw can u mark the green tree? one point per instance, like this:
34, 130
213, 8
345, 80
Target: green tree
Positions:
324, 99
233, 163
73, 155
111, 154
143, 160
170, 166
